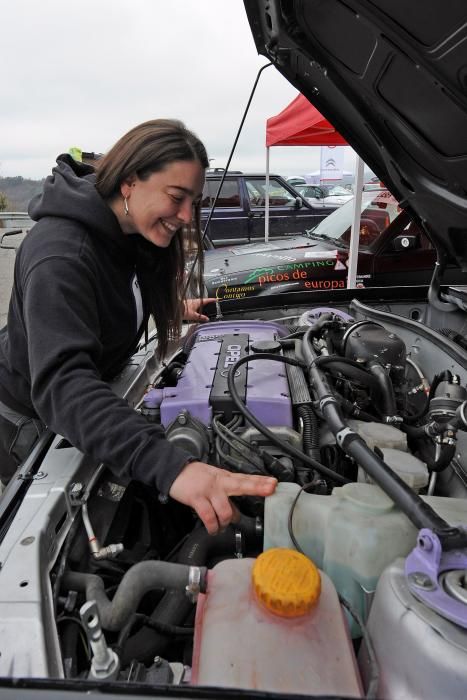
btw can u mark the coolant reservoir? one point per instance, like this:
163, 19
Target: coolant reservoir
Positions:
273, 624
352, 535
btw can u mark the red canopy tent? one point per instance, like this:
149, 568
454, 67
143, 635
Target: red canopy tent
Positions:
300, 124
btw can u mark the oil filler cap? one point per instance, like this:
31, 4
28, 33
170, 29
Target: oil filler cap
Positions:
286, 582
266, 346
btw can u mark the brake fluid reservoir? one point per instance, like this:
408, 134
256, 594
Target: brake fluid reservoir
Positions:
274, 624
352, 535
409, 468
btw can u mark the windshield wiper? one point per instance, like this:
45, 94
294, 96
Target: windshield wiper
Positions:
323, 237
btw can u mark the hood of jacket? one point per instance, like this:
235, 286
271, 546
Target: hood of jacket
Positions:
70, 193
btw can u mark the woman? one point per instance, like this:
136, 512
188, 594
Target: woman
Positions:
108, 252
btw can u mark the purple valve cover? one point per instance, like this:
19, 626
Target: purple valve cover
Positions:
267, 391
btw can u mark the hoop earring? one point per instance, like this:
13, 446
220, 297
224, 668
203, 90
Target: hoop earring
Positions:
125, 206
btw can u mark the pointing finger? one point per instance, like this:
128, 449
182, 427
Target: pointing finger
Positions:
247, 485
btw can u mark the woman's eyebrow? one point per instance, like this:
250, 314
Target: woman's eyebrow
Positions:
186, 190
182, 189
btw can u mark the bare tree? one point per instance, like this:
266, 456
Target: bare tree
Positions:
4, 202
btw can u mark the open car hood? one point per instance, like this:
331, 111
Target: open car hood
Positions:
391, 77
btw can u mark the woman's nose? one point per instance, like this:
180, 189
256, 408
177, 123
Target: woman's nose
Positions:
185, 212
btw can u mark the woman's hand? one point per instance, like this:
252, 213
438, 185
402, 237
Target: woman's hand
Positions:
191, 308
206, 489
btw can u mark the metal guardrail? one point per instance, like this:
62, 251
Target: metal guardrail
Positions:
13, 223
11, 219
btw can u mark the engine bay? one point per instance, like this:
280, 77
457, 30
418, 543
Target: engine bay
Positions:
367, 442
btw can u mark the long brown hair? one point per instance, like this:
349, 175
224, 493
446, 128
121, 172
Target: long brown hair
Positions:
146, 149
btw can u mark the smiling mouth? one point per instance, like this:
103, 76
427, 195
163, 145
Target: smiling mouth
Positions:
169, 227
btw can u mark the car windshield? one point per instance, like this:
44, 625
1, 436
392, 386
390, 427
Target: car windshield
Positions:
278, 195
377, 212
309, 190
336, 190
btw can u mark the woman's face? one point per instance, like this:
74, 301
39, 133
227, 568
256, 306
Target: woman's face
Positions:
160, 205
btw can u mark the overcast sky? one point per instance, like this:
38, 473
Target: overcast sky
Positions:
83, 72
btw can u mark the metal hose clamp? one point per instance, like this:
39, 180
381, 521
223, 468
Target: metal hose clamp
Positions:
194, 583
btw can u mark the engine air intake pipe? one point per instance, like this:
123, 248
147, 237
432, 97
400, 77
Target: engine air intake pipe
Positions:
418, 512
140, 579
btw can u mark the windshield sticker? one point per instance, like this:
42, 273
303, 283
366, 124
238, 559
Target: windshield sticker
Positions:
225, 279
284, 270
225, 292
252, 248
320, 254
325, 284
276, 256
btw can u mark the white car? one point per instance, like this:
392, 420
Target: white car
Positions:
325, 196
295, 180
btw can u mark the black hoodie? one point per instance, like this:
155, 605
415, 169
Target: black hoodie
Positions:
72, 324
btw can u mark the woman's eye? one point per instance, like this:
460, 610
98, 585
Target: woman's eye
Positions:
176, 199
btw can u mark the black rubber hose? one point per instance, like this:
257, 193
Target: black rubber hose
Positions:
418, 512
289, 449
350, 368
427, 452
386, 389
353, 410
170, 630
445, 376
310, 430
320, 322
174, 607
139, 579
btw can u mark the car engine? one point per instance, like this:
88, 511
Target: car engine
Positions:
340, 410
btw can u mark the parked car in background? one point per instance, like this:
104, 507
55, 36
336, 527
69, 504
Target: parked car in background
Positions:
295, 180
393, 250
372, 186
325, 196
239, 212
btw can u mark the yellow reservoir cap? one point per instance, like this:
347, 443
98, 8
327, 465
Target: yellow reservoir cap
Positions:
286, 582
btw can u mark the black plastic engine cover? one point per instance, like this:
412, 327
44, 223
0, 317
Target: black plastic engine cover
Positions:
234, 346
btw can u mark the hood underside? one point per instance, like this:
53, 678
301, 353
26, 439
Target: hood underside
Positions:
391, 76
